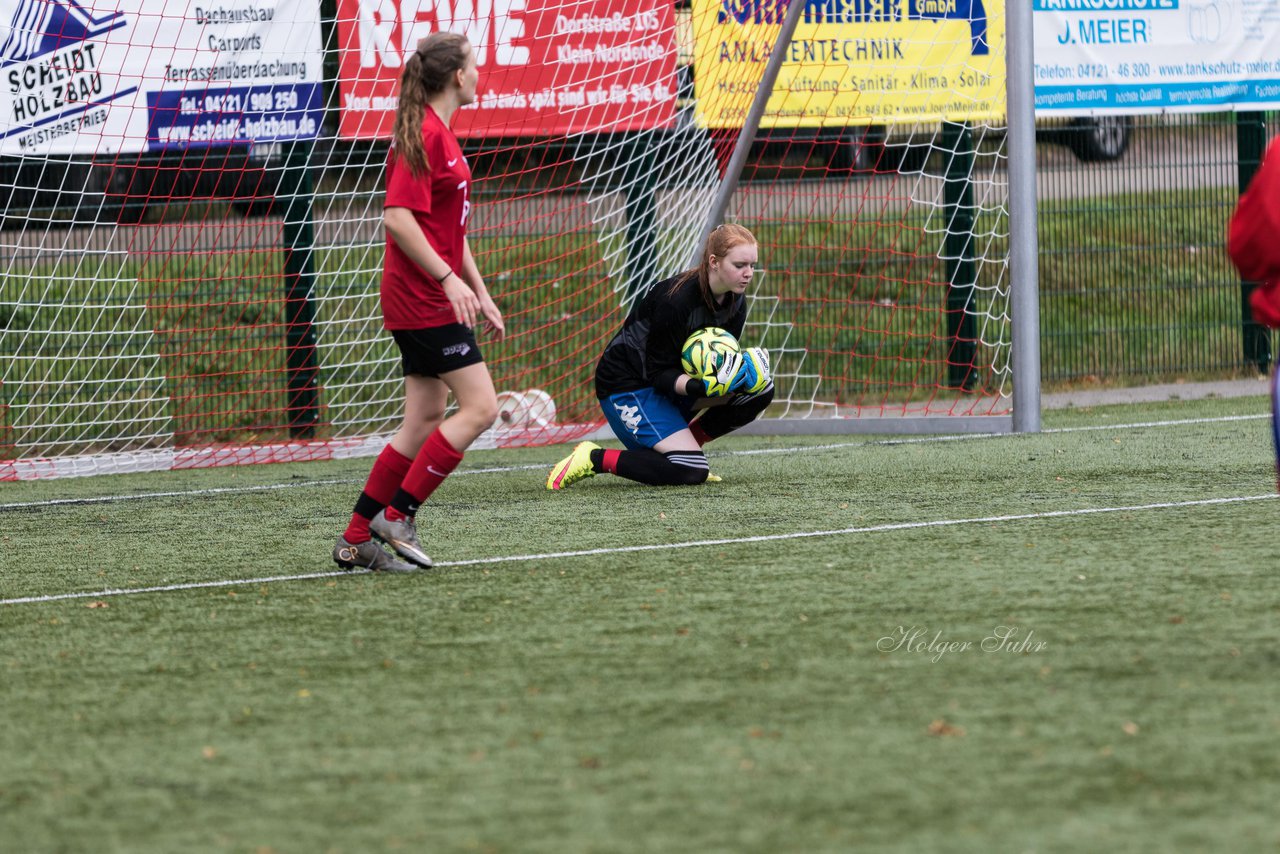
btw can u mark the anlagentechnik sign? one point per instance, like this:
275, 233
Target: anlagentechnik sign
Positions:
1145, 56
851, 61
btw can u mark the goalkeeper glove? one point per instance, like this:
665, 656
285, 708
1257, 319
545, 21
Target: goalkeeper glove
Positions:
745, 371
752, 375
718, 382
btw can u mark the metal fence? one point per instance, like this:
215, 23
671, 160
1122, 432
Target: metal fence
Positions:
1135, 283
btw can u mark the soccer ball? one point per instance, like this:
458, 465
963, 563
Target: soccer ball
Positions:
705, 350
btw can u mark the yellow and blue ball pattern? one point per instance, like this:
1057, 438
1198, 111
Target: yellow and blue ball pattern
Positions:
705, 350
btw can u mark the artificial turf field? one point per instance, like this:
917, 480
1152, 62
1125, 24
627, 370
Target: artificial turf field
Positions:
585, 672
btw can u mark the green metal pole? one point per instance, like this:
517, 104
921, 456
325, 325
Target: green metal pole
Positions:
639, 180
962, 273
296, 192
1251, 143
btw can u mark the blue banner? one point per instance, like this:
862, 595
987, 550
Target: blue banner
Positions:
237, 114
1143, 56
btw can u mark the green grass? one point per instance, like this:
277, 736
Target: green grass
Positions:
727, 697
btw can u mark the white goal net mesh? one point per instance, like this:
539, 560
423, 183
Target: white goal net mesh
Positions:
191, 238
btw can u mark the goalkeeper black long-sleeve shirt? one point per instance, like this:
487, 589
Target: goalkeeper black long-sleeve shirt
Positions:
645, 352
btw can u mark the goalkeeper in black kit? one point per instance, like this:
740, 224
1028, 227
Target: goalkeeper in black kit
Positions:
662, 415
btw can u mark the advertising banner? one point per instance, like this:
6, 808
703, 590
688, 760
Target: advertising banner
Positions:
851, 61
546, 68
146, 75
1146, 56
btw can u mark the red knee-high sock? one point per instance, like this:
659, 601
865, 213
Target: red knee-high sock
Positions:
432, 465
388, 471
700, 435
608, 460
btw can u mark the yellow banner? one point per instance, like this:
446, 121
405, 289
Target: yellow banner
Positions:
851, 62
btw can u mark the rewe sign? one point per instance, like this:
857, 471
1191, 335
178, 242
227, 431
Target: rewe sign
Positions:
389, 31
546, 67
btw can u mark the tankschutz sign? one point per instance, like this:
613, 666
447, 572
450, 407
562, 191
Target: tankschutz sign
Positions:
1149, 56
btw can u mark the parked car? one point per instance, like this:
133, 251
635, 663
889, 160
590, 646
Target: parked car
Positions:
1096, 138
888, 148
248, 175
123, 188
47, 190
908, 147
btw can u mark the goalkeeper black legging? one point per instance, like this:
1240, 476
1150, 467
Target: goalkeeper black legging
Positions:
740, 411
678, 468
684, 468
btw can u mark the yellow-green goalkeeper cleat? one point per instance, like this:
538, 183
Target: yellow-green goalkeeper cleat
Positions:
714, 478
573, 468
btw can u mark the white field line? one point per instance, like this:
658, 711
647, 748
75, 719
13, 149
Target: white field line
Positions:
169, 588
764, 538
229, 490
240, 490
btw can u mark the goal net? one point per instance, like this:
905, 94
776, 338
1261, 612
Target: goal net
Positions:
191, 237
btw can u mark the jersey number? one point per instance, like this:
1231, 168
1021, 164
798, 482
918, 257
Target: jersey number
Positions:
466, 203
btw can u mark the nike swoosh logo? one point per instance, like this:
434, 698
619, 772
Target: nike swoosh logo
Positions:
433, 470
453, 161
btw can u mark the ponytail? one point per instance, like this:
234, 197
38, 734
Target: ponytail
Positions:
426, 72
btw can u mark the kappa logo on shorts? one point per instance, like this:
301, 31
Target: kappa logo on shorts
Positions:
456, 349
630, 416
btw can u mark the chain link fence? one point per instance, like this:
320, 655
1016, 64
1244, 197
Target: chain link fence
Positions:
1135, 282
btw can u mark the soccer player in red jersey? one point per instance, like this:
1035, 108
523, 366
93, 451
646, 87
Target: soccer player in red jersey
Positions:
1252, 237
432, 296
1254, 247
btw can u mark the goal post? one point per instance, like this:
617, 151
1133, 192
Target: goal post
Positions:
191, 252
954, 172
1024, 270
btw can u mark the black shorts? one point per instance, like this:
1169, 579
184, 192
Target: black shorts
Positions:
437, 350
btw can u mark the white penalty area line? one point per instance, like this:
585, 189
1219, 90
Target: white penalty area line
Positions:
185, 493
229, 490
1139, 425
653, 547
830, 446
193, 585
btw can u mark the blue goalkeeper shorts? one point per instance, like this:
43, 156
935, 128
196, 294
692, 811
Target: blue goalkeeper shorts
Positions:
642, 419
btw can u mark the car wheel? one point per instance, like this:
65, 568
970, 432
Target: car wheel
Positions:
1097, 139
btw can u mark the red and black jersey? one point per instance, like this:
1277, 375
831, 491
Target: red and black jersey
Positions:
440, 200
1252, 241
645, 352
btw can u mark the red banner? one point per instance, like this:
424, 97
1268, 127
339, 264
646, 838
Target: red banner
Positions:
547, 67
